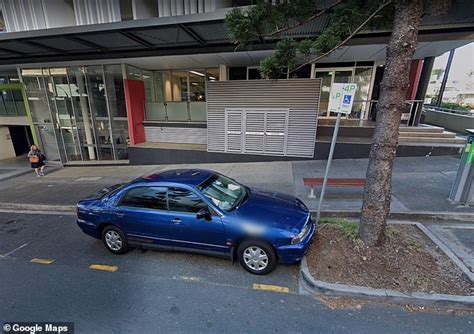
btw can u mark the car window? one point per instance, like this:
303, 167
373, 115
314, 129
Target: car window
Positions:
183, 200
146, 197
226, 193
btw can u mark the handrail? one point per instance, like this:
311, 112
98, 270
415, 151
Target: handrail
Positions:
447, 110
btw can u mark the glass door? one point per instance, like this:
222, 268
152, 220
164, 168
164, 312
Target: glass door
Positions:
95, 84
81, 105
36, 89
326, 77
66, 119
330, 76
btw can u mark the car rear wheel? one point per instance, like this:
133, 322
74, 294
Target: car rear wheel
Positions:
257, 257
114, 240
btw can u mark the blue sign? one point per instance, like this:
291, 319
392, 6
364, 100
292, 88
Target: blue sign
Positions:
347, 99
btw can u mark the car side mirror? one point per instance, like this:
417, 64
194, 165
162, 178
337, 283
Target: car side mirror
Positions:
204, 213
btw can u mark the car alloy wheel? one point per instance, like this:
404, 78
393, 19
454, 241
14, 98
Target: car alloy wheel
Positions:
113, 240
255, 258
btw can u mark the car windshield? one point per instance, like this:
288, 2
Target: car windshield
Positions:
225, 193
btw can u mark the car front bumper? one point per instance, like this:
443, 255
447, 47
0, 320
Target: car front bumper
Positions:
290, 254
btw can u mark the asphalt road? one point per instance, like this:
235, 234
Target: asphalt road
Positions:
157, 292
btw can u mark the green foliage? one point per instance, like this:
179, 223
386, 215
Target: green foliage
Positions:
438, 72
266, 22
454, 106
350, 229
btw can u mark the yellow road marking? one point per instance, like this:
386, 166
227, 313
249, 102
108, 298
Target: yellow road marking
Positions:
42, 261
267, 287
103, 267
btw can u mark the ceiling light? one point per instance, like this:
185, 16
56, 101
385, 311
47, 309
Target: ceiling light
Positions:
198, 73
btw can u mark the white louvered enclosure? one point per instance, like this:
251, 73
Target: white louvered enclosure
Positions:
256, 131
262, 117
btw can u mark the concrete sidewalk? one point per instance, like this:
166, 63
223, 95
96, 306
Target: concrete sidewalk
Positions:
458, 237
420, 184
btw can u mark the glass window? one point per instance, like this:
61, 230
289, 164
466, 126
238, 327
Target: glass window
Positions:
115, 90
9, 102
116, 100
98, 105
96, 89
362, 77
254, 73
180, 86
197, 86
80, 102
325, 90
20, 104
213, 74
159, 79
36, 92
135, 73
182, 200
3, 110
223, 192
145, 197
304, 72
60, 93
237, 73
342, 76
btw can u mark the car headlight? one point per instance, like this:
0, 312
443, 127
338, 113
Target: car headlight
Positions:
303, 234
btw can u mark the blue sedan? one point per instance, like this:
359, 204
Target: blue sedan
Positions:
200, 211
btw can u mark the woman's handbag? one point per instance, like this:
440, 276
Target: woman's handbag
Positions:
34, 159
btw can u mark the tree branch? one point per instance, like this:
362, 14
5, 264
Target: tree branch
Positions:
309, 19
355, 32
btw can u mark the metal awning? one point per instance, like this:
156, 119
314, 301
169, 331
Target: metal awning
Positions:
198, 33
188, 34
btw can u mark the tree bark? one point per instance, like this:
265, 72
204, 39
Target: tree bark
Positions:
378, 187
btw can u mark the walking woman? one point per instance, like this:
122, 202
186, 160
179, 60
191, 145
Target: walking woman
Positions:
37, 160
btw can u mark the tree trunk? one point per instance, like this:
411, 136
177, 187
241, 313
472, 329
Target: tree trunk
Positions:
378, 187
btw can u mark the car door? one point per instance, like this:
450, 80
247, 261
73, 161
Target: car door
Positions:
190, 232
142, 213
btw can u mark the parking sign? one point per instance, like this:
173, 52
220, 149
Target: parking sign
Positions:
341, 98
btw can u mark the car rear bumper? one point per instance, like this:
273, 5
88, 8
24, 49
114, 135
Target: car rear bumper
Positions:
290, 254
88, 228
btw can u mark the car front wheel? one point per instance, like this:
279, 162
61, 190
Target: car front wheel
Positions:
257, 257
114, 240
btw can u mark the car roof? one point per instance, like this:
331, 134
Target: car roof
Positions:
191, 177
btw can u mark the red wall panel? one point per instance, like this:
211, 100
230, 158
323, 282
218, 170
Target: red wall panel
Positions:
135, 100
415, 72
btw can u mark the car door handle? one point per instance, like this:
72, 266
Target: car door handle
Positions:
176, 221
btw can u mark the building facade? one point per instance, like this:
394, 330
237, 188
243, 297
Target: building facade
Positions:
95, 81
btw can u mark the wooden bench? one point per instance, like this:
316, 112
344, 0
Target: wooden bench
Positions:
334, 182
